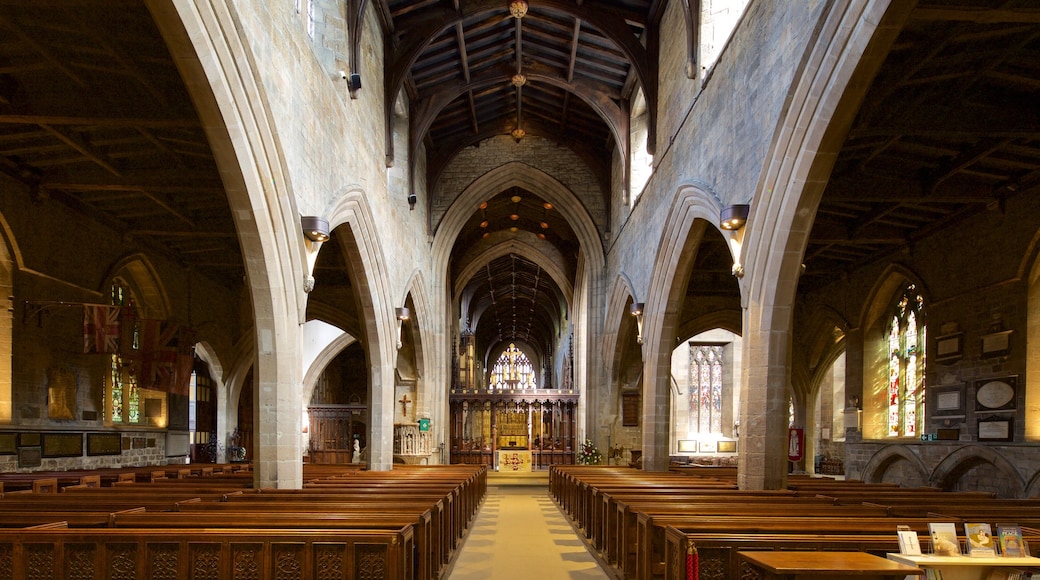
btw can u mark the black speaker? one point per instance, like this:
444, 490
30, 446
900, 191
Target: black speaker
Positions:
355, 82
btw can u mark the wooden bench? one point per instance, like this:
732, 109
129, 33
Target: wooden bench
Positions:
649, 549
631, 531
431, 534
53, 552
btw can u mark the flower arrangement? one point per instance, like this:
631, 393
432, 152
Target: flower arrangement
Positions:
589, 455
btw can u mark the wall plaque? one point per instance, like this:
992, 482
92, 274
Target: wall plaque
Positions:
629, 409
104, 444
8, 443
62, 444
29, 457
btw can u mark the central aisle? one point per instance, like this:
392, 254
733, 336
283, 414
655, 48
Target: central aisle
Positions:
520, 533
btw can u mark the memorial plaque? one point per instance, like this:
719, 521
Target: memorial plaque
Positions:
630, 409
29, 457
8, 443
104, 444
62, 444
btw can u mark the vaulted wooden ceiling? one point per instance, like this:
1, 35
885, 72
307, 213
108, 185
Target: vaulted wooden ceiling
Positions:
950, 128
93, 115
581, 63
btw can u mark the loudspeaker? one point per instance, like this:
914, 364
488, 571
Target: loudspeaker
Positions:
412, 198
355, 82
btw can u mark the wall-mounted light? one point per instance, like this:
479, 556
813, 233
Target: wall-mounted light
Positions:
315, 228
734, 217
412, 198
636, 310
402, 314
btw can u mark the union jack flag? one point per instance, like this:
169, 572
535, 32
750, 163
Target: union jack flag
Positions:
100, 328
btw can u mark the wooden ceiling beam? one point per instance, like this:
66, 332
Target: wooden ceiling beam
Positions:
97, 121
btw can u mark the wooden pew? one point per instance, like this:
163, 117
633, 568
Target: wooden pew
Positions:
430, 534
650, 534
54, 552
633, 533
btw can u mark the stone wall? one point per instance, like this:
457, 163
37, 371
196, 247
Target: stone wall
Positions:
1009, 471
140, 448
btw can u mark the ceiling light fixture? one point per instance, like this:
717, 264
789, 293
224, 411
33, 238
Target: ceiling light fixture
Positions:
518, 8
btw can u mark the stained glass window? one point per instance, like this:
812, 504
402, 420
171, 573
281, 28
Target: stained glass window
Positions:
906, 364
705, 388
124, 397
512, 370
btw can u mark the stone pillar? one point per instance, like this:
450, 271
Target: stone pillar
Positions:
763, 410
656, 418
381, 419
278, 418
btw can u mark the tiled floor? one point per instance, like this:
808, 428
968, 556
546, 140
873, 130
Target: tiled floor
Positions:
519, 534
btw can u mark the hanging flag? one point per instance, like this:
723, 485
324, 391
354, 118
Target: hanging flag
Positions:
100, 328
167, 356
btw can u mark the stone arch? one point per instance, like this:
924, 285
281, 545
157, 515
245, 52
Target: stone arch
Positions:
138, 271
544, 260
517, 174
821, 103
955, 465
622, 294
694, 209
621, 352
352, 220
1033, 486
218, 74
725, 319
585, 303
322, 360
1030, 272
874, 319
208, 355
10, 262
888, 456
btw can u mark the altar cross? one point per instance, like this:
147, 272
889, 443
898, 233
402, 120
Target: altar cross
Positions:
404, 404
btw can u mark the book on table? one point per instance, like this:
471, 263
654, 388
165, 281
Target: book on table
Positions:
1011, 543
944, 539
909, 543
980, 539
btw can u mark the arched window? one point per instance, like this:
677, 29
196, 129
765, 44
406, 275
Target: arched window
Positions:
124, 400
906, 364
512, 370
705, 388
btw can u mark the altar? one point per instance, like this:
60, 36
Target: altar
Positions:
513, 461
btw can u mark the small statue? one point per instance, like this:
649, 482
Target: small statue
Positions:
357, 451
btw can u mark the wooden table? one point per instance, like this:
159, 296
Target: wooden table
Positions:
787, 565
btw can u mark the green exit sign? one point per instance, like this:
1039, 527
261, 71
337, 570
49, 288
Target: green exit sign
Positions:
929, 437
